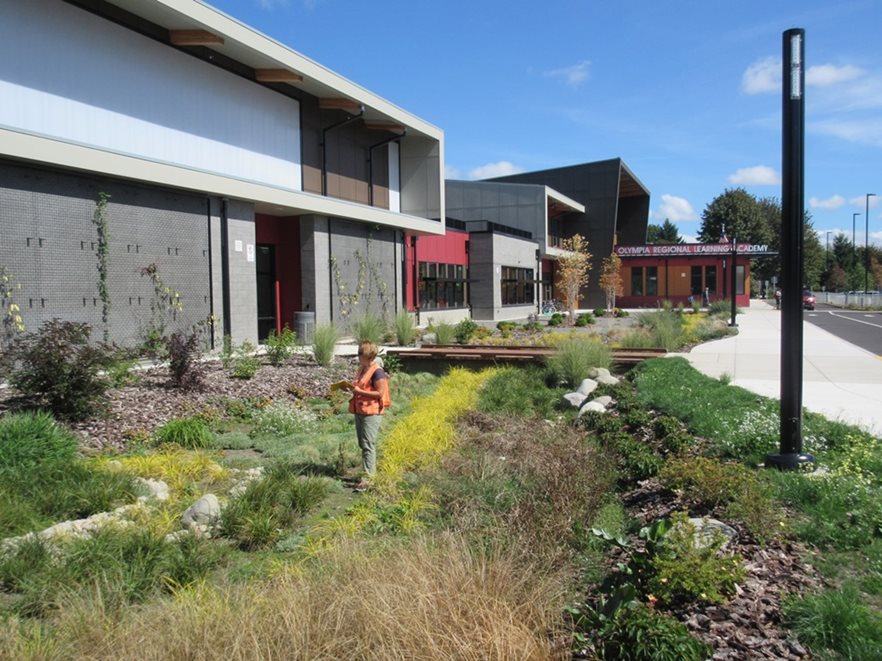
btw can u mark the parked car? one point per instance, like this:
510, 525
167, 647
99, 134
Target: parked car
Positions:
808, 299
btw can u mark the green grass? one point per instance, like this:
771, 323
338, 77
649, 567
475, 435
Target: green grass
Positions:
323, 342
368, 328
43, 481
836, 624
405, 331
665, 327
520, 391
190, 433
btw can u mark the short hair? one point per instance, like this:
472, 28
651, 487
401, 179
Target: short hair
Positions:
368, 350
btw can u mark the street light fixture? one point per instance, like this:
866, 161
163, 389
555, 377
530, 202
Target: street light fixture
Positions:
867, 243
853, 244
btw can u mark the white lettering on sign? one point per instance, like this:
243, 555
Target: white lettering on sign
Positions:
691, 249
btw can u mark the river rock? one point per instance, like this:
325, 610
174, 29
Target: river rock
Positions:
587, 387
204, 511
574, 399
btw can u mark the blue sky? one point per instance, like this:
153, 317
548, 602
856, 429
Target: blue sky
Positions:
687, 93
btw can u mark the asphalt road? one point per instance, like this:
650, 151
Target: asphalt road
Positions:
863, 328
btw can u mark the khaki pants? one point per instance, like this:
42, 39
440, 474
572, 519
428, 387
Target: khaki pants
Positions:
367, 429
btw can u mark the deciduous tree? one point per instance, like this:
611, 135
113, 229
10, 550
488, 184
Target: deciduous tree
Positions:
611, 279
572, 272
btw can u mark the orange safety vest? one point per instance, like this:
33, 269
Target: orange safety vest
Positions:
369, 405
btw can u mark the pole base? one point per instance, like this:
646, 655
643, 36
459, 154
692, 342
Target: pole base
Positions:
732, 324
789, 461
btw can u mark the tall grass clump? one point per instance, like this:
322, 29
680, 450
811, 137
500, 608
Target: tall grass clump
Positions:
432, 599
190, 433
43, 481
405, 331
836, 624
255, 519
368, 328
444, 333
519, 391
323, 343
722, 308
575, 357
665, 327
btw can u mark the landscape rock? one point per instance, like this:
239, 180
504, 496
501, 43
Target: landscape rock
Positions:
204, 511
586, 387
607, 379
605, 400
574, 399
592, 406
157, 488
704, 531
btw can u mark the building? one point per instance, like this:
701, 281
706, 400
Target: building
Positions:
681, 273
244, 177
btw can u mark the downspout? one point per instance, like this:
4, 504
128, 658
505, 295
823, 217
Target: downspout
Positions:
325, 132
225, 266
210, 274
416, 289
330, 274
370, 161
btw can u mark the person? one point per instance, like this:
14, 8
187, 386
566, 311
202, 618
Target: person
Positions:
778, 299
706, 299
370, 398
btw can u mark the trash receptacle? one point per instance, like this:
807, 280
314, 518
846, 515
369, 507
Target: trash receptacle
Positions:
304, 326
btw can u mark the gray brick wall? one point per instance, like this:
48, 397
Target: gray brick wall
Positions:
48, 242
488, 253
243, 273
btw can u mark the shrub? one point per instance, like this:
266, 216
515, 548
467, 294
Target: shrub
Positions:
635, 632
521, 391
619, 312
677, 442
506, 328
666, 328
585, 319
227, 352
368, 328
637, 418
576, 356
599, 312
464, 330
600, 423
283, 419
835, 624
405, 332
119, 371
665, 425
638, 338
58, 368
190, 433
533, 327
279, 348
323, 343
635, 458
556, 319
686, 569
183, 354
444, 333
244, 367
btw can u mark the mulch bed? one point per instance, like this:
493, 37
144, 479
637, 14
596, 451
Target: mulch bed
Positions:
748, 626
151, 402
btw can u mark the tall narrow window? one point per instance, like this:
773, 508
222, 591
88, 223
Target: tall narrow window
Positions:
710, 279
695, 286
652, 281
636, 281
739, 279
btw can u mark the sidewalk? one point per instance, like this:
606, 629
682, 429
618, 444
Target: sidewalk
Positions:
840, 380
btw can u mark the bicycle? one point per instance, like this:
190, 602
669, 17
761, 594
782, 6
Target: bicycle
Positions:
551, 306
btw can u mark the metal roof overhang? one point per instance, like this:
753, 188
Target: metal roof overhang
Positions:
558, 203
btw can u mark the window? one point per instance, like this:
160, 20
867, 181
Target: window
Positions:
710, 279
695, 287
739, 279
636, 281
442, 286
652, 281
516, 285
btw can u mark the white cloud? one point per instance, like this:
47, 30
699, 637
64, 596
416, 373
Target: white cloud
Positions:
451, 172
762, 76
830, 203
689, 238
861, 201
676, 209
573, 75
758, 175
859, 131
498, 169
823, 75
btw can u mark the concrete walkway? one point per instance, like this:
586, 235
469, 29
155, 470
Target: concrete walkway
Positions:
840, 380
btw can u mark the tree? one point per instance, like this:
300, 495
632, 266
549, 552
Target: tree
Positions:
843, 249
740, 213
611, 279
838, 279
572, 272
664, 234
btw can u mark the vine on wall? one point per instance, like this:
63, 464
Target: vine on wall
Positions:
10, 313
366, 267
165, 305
99, 219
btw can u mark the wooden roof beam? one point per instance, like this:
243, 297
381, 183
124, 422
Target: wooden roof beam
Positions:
193, 38
277, 76
339, 104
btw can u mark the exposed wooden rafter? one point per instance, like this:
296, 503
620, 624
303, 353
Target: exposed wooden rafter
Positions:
339, 104
377, 125
277, 76
193, 38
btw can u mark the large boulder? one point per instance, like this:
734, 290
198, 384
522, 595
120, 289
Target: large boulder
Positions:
605, 400
592, 406
203, 512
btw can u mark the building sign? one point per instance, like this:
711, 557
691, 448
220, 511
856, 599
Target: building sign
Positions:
692, 249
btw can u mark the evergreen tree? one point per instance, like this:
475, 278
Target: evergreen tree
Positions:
666, 233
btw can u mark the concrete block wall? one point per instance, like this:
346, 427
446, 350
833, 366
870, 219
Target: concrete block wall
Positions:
48, 243
241, 251
488, 253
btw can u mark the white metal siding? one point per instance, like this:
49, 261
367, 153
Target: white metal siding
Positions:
394, 179
73, 76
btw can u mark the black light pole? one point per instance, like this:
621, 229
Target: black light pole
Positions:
853, 244
867, 245
734, 270
792, 214
827, 253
